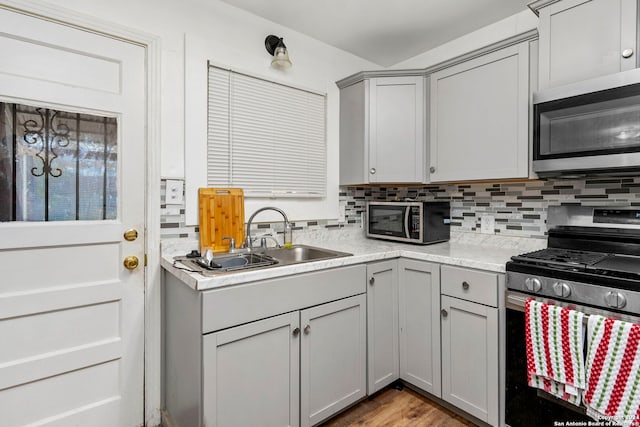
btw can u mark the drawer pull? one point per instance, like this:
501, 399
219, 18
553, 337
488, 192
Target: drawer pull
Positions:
444, 313
372, 280
307, 329
296, 332
465, 286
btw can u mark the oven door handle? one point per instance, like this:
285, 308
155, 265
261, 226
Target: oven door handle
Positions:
516, 301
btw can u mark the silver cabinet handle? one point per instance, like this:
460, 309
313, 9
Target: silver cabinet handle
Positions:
465, 286
444, 313
296, 332
432, 169
372, 280
307, 329
627, 53
372, 171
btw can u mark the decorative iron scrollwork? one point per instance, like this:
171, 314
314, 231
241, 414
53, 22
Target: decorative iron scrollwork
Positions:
50, 134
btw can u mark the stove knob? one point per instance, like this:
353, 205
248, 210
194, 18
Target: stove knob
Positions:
533, 284
615, 300
561, 289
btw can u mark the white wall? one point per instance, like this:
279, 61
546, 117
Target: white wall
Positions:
501, 30
234, 38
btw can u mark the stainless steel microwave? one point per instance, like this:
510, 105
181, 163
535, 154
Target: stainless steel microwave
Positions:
588, 128
412, 222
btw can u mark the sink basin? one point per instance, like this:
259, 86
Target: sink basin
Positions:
302, 253
228, 262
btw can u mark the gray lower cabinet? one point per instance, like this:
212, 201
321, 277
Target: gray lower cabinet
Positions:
252, 374
294, 369
419, 317
470, 341
287, 351
333, 354
382, 325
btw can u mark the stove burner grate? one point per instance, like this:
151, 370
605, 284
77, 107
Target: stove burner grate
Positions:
562, 257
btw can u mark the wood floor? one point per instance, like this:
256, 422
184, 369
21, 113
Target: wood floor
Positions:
397, 408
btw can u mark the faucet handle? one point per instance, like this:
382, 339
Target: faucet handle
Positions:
232, 241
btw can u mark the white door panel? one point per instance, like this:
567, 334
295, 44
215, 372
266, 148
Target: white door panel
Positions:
71, 315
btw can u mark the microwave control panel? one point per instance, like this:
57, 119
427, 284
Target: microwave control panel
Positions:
414, 222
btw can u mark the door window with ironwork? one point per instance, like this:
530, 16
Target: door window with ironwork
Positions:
56, 165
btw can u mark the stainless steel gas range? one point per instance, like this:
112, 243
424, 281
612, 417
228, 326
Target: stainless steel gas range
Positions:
592, 264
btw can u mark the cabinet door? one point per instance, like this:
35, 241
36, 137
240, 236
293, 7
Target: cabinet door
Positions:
396, 129
582, 39
354, 133
332, 358
382, 325
479, 117
251, 374
470, 358
419, 284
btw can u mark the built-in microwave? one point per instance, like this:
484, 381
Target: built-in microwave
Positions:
412, 222
588, 128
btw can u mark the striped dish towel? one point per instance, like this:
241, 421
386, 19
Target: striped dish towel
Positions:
554, 340
613, 371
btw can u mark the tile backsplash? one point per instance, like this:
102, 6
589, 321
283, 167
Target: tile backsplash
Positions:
519, 208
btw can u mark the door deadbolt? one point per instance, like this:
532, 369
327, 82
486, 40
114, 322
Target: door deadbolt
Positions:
131, 235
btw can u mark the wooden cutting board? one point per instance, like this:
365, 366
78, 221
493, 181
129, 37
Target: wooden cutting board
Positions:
221, 214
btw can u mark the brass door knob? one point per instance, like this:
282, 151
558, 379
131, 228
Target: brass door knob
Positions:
131, 262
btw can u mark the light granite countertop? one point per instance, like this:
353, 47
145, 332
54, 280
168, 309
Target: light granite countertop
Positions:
472, 250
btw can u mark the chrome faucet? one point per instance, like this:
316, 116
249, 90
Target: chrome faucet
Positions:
248, 241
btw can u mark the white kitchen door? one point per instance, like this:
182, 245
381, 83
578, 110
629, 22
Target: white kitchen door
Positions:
72, 182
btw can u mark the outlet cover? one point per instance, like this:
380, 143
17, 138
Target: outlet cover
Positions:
487, 224
174, 194
342, 212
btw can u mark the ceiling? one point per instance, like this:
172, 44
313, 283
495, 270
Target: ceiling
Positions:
384, 32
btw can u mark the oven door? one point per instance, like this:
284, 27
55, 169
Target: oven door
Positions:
388, 220
527, 406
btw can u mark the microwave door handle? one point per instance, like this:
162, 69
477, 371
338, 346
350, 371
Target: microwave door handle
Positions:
407, 213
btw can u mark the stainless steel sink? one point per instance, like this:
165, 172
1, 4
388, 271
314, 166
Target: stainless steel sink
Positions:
228, 262
302, 253
268, 258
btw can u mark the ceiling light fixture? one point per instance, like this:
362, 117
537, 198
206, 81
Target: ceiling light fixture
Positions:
275, 46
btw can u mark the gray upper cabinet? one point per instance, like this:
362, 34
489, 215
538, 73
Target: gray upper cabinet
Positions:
382, 131
479, 117
582, 39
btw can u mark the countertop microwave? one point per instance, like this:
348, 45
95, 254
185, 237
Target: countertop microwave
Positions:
588, 128
412, 222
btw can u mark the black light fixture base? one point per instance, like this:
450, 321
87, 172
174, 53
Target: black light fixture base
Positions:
271, 42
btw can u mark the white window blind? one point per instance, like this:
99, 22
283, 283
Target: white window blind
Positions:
266, 138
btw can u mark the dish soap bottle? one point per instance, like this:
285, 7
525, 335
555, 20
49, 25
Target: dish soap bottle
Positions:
288, 235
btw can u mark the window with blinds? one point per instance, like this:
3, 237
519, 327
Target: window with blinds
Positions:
266, 138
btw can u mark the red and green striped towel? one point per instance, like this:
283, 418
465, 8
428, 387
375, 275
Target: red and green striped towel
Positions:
613, 371
554, 341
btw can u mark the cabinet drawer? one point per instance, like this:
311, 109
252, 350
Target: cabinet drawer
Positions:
471, 285
235, 305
